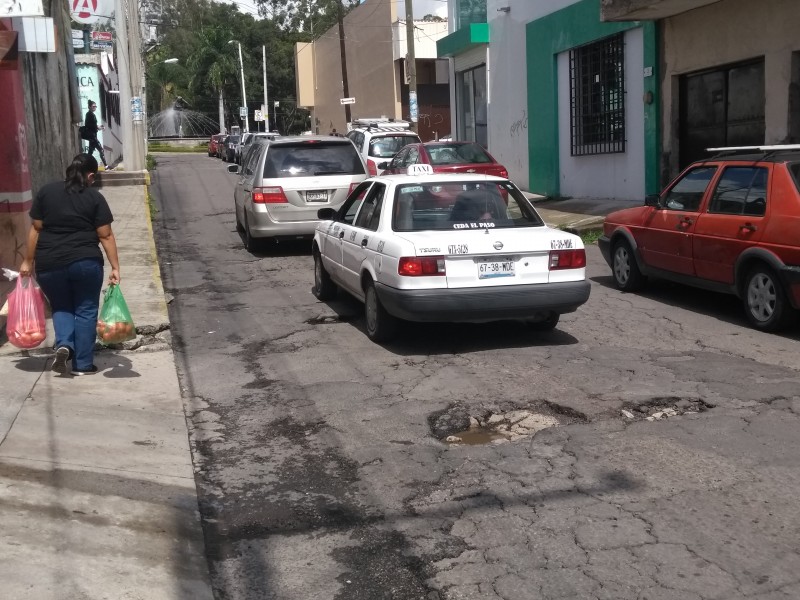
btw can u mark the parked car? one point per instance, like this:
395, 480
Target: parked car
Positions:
445, 157
378, 140
438, 247
729, 223
213, 144
221, 146
283, 183
249, 138
229, 150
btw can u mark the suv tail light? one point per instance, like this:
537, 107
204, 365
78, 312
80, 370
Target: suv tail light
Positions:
421, 266
269, 195
567, 259
372, 168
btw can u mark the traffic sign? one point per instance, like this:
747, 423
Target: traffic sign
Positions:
242, 112
259, 116
347, 100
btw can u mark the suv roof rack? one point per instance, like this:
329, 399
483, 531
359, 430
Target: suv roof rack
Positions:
766, 150
380, 123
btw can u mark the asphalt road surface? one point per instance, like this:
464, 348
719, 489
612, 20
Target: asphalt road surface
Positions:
322, 473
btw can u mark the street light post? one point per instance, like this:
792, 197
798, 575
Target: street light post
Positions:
266, 104
244, 94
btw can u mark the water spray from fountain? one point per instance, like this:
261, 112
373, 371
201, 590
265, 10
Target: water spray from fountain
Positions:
178, 121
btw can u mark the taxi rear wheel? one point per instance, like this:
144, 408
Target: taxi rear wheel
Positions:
324, 288
381, 326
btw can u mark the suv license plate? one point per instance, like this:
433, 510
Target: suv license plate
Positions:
488, 269
316, 196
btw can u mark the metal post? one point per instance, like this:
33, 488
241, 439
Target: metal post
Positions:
412, 65
345, 86
244, 94
266, 103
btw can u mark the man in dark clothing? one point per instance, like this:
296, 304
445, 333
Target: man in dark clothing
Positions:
91, 126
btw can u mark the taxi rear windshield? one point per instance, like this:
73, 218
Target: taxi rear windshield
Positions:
457, 206
312, 159
386, 146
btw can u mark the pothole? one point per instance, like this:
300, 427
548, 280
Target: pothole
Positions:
327, 319
664, 408
457, 427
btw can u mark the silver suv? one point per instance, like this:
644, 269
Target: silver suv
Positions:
284, 182
378, 140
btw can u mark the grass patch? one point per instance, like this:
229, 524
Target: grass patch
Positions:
591, 236
168, 148
151, 205
150, 162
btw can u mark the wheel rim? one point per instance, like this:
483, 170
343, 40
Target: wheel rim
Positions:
317, 272
622, 265
761, 297
371, 309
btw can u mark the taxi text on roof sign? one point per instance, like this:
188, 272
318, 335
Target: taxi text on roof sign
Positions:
420, 169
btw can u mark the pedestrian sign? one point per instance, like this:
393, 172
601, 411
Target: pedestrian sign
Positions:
242, 112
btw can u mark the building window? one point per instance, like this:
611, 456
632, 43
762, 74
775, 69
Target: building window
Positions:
470, 11
597, 97
471, 99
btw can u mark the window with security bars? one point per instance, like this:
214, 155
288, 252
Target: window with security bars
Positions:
597, 97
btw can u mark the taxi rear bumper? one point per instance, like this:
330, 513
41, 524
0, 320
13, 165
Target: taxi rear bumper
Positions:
476, 305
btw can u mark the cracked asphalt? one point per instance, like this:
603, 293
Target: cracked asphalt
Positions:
319, 477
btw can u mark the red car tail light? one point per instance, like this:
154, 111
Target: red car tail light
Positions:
567, 259
352, 187
421, 266
269, 195
371, 168
503, 173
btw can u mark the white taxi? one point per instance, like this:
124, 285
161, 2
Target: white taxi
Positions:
459, 248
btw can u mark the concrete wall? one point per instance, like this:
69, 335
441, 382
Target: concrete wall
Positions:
50, 138
304, 74
618, 175
508, 92
727, 32
372, 75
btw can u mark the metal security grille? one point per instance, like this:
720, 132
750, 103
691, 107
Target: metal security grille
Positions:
597, 97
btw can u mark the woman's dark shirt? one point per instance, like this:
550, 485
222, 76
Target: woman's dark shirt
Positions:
70, 221
90, 122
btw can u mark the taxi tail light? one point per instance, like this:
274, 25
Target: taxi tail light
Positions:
421, 266
372, 169
269, 195
567, 259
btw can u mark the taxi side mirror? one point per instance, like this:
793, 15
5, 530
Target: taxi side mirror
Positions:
326, 214
652, 200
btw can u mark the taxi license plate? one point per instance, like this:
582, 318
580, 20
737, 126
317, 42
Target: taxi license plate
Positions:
317, 196
489, 269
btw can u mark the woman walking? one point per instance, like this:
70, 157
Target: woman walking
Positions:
69, 220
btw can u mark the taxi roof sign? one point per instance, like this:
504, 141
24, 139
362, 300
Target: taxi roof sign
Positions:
421, 169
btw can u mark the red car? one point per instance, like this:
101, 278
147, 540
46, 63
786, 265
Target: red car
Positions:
214, 144
729, 224
445, 157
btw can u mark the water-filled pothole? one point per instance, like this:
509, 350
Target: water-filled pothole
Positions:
456, 426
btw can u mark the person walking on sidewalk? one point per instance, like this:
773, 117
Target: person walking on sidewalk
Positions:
69, 220
91, 127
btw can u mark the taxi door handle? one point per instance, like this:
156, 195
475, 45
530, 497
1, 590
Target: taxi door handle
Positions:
341, 234
364, 243
748, 227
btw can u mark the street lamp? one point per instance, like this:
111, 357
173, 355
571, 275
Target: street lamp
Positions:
244, 95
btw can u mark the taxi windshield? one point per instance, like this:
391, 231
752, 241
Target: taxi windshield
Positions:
458, 206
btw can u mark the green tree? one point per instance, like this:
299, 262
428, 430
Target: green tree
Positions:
214, 65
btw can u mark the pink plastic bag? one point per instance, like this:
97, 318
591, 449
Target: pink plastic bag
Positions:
26, 323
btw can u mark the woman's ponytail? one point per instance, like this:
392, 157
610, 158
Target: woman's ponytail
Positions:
78, 172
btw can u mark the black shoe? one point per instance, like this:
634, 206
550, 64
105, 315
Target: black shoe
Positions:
91, 370
60, 361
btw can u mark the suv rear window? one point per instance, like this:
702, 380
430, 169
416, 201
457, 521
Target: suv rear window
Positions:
307, 159
386, 146
453, 205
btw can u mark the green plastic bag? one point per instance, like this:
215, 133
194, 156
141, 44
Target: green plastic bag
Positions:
115, 324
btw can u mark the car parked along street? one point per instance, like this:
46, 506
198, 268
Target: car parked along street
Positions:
459, 248
730, 224
446, 157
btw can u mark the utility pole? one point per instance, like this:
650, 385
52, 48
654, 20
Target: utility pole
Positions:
412, 65
345, 87
266, 103
130, 83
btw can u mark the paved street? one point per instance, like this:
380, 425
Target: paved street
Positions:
320, 473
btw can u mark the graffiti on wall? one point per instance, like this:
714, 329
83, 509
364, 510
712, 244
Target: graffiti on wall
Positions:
520, 126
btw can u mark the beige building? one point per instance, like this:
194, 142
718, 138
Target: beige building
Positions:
375, 42
730, 73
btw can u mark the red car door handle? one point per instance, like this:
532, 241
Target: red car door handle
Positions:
684, 224
748, 227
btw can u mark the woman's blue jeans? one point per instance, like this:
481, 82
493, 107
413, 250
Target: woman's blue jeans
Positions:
74, 295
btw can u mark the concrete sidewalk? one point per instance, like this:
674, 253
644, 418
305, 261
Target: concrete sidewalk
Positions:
578, 215
97, 491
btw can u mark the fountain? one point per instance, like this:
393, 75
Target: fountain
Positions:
179, 122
